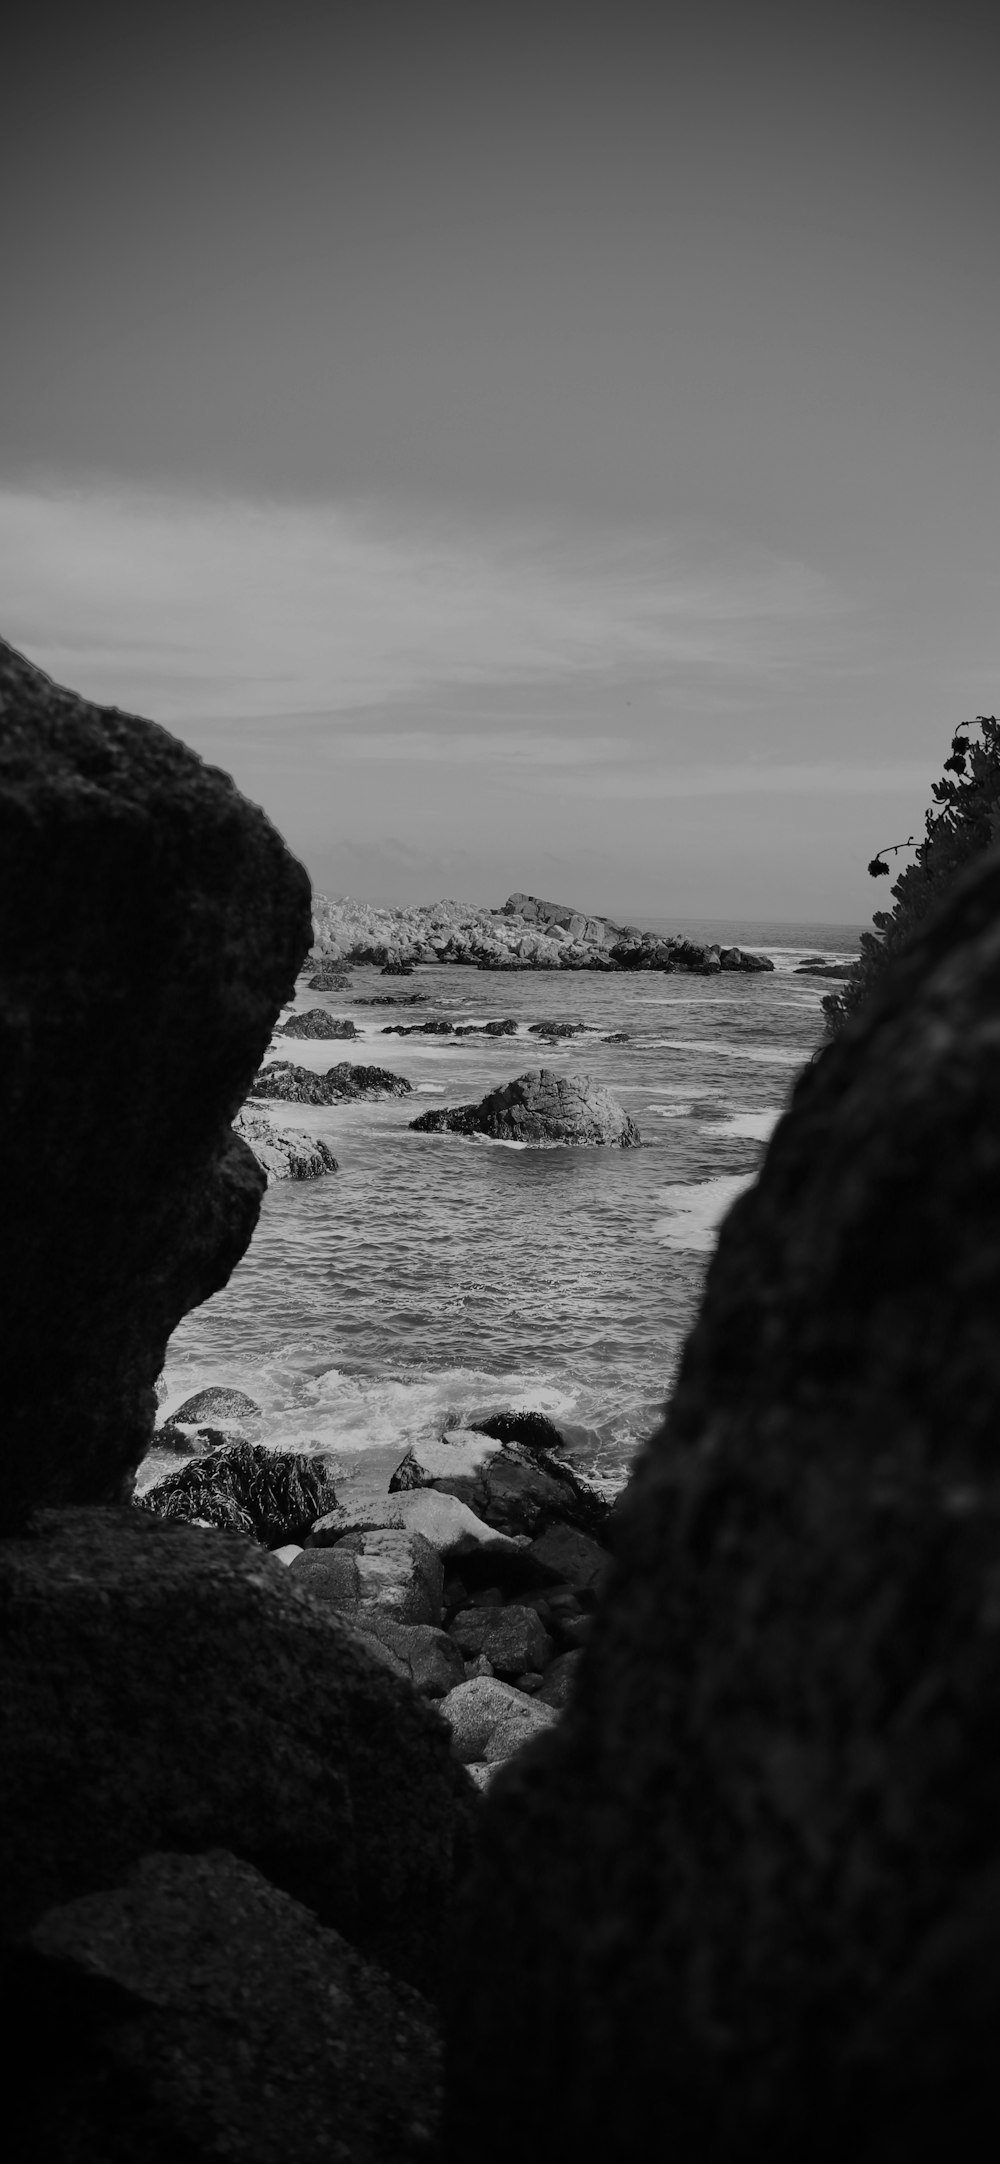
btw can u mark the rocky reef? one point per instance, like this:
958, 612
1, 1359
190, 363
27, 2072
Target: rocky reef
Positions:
742, 1900
339, 1085
283, 1153
524, 933
540, 1107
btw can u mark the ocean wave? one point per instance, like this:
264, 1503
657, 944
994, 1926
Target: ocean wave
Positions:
695, 1210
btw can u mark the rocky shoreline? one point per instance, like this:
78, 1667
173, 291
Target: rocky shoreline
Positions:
524, 933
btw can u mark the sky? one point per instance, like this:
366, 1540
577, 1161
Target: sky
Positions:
550, 448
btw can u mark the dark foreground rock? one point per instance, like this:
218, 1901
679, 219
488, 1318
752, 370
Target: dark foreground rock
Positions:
167, 1688
194, 2012
540, 1107
283, 1153
743, 1901
339, 1085
271, 1496
151, 924
316, 1022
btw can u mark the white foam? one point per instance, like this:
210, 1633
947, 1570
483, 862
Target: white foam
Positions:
695, 1210
755, 1126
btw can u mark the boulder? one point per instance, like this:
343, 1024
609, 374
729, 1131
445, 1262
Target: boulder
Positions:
151, 924
330, 977
316, 1022
504, 1484
743, 1903
558, 1680
738, 958
461, 1538
540, 1107
218, 1402
271, 1496
283, 1153
163, 1688
512, 1638
429, 1657
397, 1572
339, 1085
483, 1707
195, 2012
571, 1557
535, 1430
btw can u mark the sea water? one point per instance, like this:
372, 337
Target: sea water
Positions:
433, 1279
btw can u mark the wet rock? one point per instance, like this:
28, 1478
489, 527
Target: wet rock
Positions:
512, 1638
271, 1496
218, 1402
316, 1022
190, 1437
151, 924
751, 1879
330, 977
503, 1483
484, 1711
557, 1029
535, 1430
200, 2013
339, 1085
283, 1153
397, 1572
163, 1688
738, 958
540, 1107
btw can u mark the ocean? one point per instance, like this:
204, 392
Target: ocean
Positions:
432, 1279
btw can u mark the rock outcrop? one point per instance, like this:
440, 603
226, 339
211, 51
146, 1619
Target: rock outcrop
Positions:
524, 934
272, 1496
151, 923
742, 1902
283, 1153
339, 1085
540, 1107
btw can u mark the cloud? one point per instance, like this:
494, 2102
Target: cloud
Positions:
206, 608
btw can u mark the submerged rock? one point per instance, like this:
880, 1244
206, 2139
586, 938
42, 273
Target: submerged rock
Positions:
339, 1085
271, 1496
540, 1107
151, 924
316, 1022
743, 1902
199, 2014
283, 1153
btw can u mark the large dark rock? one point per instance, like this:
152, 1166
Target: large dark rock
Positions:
539, 1107
196, 2013
743, 1903
163, 1687
339, 1085
151, 923
272, 1496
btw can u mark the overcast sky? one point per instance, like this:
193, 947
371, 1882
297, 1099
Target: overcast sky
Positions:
550, 447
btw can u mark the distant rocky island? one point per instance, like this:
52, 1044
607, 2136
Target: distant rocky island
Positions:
524, 933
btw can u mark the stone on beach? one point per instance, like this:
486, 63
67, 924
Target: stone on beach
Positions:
283, 1153
194, 2011
428, 1656
512, 1638
151, 923
456, 1533
397, 1572
483, 1708
503, 1483
540, 1107
271, 1496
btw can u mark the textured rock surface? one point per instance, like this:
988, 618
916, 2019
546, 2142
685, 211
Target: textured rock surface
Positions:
151, 923
398, 1572
483, 1708
512, 1638
540, 1106
162, 1687
316, 1022
298, 1085
454, 1531
217, 1402
283, 1153
194, 2012
271, 1496
748, 1891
